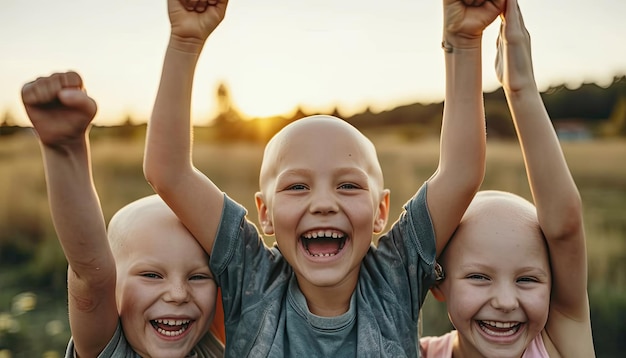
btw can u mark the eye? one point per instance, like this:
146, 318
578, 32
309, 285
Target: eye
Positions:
150, 275
348, 186
296, 187
527, 279
200, 277
478, 277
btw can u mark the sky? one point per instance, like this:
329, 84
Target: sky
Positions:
277, 55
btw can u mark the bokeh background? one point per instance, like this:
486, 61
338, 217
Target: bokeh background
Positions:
33, 314
376, 65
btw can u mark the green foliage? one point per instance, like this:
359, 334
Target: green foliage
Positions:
32, 261
608, 318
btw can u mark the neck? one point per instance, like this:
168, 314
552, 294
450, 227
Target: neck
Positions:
328, 301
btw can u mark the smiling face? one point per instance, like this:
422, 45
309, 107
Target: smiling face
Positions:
497, 283
165, 290
322, 197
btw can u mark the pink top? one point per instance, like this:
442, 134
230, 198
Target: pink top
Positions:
441, 347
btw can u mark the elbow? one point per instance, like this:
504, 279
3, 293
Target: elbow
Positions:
158, 184
150, 173
472, 178
156, 177
569, 222
573, 221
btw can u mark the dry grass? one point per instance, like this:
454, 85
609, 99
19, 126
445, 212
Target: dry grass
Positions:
598, 168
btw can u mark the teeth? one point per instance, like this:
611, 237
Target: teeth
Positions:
505, 329
159, 323
171, 333
171, 322
501, 324
328, 234
323, 234
321, 255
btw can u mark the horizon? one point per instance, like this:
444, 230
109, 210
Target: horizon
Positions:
274, 59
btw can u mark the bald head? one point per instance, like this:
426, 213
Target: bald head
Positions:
310, 135
148, 211
490, 203
496, 214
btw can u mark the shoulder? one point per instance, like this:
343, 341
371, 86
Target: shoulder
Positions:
117, 347
208, 347
437, 346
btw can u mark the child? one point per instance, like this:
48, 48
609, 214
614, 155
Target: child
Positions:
324, 290
150, 277
515, 275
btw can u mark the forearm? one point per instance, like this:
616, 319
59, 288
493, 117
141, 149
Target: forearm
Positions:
554, 191
168, 144
76, 211
463, 126
462, 146
559, 212
168, 165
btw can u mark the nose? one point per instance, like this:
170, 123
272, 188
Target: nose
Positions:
323, 201
504, 299
177, 292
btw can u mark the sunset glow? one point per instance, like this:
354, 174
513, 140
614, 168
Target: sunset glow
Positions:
276, 56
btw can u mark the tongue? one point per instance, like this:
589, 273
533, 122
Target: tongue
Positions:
323, 246
167, 327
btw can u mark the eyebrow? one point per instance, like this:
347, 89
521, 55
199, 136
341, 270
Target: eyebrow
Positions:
337, 171
486, 268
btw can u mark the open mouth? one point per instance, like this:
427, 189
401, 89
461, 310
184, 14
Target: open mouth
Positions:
170, 327
323, 243
500, 329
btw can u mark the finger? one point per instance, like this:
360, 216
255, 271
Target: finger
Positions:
70, 79
77, 98
514, 22
189, 4
28, 97
201, 6
45, 89
40, 91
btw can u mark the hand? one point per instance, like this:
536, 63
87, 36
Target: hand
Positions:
59, 108
465, 20
514, 67
192, 21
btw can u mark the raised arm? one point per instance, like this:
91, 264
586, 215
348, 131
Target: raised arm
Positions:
554, 192
61, 113
462, 148
168, 163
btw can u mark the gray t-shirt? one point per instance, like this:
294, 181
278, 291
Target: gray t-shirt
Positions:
118, 347
266, 314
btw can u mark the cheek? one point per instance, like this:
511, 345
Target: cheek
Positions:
462, 308
463, 302
538, 306
361, 213
205, 296
286, 212
133, 297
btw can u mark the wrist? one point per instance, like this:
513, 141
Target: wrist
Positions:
186, 45
450, 48
68, 146
452, 41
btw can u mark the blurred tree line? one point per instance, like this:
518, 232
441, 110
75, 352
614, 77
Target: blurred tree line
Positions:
598, 111
27, 257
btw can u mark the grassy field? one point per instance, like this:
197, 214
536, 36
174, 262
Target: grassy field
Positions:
35, 324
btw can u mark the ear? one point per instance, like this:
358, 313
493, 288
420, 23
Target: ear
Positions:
436, 291
264, 216
382, 214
